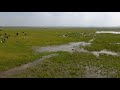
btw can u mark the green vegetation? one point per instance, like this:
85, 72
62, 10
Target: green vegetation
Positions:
17, 51
73, 65
103, 41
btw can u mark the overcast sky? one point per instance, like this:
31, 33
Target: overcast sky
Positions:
60, 19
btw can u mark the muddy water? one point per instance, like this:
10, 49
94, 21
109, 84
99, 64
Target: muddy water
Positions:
112, 32
66, 47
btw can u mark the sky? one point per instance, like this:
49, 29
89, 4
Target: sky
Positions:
79, 19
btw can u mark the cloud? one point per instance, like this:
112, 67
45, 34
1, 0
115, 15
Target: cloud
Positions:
60, 18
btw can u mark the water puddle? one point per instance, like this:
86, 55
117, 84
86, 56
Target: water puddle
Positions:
112, 32
82, 50
74, 47
66, 47
97, 53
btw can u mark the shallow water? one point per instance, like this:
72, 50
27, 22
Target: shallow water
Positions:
97, 53
75, 47
112, 32
82, 50
66, 47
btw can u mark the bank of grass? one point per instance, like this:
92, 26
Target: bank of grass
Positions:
72, 65
18, 50
11, 59
102, 41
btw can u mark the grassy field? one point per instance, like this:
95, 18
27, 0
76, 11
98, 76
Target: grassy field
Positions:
17, 51
74, 65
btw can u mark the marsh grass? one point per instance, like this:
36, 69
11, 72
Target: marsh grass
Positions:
102, 41
65, 65
18, 50
73, 65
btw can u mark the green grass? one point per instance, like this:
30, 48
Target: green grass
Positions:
73, 65
18, 51
102, 42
